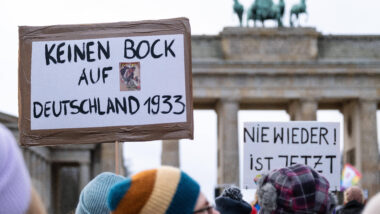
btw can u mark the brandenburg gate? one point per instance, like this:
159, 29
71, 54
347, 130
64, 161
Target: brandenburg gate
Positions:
294, 69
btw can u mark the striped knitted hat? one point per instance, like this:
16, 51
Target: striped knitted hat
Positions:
165, 190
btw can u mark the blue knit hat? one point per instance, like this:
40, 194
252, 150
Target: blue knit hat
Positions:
93, 198
165, 190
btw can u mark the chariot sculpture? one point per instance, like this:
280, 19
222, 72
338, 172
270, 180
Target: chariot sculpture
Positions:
262, 10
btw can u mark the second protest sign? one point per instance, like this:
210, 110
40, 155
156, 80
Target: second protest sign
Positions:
270, 145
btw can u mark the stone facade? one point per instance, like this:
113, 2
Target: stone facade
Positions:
269, 44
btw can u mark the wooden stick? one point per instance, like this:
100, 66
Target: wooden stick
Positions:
117, 157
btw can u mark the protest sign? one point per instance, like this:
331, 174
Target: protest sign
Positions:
127, 81
274, 145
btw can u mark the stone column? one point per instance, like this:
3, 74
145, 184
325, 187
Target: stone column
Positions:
96, 160
351, 133
360, 142
45, 186
303, 110
108, 155
33, 168
39, 173
27, 159
49, 196
369, 148
170, 153
228, 146
84, 175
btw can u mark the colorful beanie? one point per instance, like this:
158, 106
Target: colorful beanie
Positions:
93, 198
165, 190
294, 189
15, 186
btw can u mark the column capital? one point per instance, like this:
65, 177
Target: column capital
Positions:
305, 100
84, 164
303, 109
226, 101
309, 100
229, 99
368, 100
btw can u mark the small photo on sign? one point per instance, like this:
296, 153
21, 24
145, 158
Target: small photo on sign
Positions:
130, 76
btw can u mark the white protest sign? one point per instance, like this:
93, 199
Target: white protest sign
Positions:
274, 145
108, 82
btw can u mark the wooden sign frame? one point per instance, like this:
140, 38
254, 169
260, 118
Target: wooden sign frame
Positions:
108, 134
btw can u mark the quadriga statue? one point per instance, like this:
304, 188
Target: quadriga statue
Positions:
262, 10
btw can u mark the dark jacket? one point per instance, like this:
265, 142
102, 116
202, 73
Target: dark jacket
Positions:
352, 207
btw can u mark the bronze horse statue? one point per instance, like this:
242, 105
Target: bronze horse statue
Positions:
262, 10
239, 10
297, 10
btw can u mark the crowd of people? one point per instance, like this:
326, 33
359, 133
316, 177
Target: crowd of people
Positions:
168, 190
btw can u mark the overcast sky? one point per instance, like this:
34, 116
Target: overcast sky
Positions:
206, 17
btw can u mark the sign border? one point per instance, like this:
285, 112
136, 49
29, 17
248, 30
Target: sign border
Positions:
166, 131
289, 124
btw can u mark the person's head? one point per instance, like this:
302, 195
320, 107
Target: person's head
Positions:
373, 205
203, 206
16, 192
231, 201
353, 193
93, 198
294, 189
165, 190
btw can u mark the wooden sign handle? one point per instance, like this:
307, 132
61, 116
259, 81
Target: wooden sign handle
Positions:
117, 157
